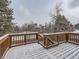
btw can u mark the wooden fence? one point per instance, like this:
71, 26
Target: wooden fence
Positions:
73, 38
56, 37
46, 40
8, 41
21, 39
4, 45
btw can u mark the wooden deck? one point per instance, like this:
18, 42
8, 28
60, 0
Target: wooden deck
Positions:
36, 51
45, 42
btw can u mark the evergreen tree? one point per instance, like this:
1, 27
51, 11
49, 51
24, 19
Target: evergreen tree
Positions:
61, 23
5, 16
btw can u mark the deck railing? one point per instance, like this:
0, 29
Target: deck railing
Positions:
73, 38
21, 39
4, 45
57, 37
10, 40
46, 40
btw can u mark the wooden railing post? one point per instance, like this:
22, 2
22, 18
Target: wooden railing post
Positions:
25, 39
37, 38
0, 51
57, 39
45, 42
10, 41
67, 37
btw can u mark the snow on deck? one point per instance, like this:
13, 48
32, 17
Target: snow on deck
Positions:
36, 51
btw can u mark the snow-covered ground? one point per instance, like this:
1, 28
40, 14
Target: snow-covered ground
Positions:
36, 51
76, 31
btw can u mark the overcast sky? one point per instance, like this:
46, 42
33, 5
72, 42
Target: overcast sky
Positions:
26, 11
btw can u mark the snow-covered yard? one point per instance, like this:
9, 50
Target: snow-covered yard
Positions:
36, 51
76, 31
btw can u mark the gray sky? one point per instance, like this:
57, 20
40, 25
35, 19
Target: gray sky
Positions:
26, 11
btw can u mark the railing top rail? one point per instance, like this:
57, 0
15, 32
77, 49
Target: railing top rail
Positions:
73, 32
3, 38
46, 34
42, 35
24, 33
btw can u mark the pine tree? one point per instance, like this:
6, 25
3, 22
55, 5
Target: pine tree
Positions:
5, 16
61, 24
